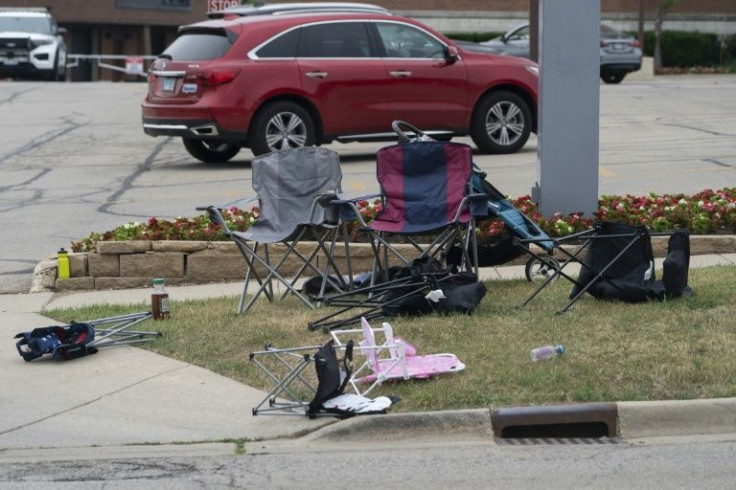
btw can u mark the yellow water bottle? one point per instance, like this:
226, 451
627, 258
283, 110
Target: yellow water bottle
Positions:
63, 264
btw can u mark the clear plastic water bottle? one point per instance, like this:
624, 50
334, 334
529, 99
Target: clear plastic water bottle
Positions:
547, 352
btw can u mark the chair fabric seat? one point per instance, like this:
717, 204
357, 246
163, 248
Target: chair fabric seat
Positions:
422, 191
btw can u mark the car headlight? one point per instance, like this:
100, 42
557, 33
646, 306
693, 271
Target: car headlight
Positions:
533, 69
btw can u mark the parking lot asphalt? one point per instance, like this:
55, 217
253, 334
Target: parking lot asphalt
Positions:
74, 159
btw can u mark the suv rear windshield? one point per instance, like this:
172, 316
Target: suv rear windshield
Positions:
197, 46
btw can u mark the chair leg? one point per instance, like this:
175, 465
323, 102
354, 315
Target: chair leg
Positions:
252, 259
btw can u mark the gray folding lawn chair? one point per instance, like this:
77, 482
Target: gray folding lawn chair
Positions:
293, 189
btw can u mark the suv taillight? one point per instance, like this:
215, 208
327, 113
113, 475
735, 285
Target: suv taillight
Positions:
213, 78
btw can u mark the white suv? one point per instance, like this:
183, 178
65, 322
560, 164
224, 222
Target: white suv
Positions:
31, 44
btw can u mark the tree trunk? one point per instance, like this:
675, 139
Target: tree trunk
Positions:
657, 44
661, 12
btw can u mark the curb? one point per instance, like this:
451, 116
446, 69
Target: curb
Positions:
677, 418
466, 425
626, 420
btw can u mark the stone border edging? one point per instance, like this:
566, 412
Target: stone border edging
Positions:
133, 264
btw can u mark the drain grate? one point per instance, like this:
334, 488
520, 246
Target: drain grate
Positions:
555, 441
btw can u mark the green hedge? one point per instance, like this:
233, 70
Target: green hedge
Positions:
679, 48
682, 48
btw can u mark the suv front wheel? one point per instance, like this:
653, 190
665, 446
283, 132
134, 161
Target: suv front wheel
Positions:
280, 126
211, 151
501, 123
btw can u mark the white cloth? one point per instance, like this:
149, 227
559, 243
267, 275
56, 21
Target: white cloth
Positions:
352, 403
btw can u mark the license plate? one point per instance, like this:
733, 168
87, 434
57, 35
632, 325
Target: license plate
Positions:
618, 46
11, 62
168, 84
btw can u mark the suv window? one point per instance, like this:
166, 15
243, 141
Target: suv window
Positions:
283, 46
36, 25
196, 46
335, 40
404, 41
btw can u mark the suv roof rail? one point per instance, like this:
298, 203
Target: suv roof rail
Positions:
284, 8
38, 10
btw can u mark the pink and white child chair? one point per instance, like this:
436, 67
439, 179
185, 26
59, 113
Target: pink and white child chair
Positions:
394, 358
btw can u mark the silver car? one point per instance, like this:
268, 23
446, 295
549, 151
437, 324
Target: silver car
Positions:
620, 53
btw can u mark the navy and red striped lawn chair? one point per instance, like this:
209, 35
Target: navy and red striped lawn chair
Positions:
427, 198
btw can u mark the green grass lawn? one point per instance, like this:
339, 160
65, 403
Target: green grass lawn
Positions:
678, 349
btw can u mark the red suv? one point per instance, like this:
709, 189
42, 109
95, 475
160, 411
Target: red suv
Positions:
270, 82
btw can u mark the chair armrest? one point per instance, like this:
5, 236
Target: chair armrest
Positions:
476, 203
215, 215
229, 204
214, 211
343, 199
348, 207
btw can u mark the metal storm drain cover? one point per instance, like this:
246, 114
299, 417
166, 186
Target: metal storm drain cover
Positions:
585, 423
555, 441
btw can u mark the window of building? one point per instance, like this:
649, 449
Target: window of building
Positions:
154, 4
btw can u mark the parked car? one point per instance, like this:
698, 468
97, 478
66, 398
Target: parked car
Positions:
620, 53
271, 82
31, 44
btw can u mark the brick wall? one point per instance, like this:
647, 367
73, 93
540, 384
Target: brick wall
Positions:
105, 12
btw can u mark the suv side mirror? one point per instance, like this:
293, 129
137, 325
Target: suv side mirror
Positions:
451, 54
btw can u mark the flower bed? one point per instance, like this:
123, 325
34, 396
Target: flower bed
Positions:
707, 212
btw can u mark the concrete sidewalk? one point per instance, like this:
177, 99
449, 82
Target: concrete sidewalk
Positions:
129, 396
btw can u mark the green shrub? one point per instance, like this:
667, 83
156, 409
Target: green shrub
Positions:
683, 48
729, 51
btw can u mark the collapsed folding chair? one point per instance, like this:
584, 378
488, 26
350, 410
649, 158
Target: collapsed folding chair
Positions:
78, 339
295, 392
618, 264
393, 358
425, 191
293, 189
422, 287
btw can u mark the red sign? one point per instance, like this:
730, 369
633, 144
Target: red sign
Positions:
214, 5
134, 66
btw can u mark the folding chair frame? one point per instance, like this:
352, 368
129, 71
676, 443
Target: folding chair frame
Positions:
454, 231
252, 258
587, 236
282, 399
79, 339
119, 333
373, 306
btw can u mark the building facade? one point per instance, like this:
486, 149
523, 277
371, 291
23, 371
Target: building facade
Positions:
146, 27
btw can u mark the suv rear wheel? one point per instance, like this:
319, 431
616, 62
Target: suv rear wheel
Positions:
609, 77
211, 151
280, 126
501, 123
